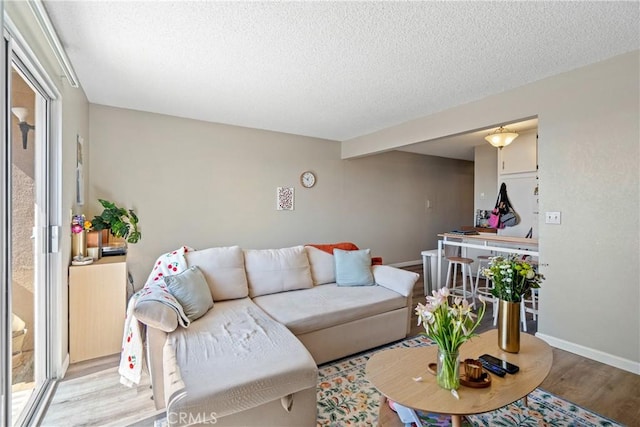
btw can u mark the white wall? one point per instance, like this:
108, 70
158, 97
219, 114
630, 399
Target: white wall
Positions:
588, 155
204, 184
485, 177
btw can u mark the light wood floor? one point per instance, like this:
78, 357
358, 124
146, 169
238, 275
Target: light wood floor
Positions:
91, 395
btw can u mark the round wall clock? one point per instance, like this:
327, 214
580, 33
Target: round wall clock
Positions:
308, 179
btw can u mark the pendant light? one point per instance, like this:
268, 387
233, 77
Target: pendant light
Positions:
501, 137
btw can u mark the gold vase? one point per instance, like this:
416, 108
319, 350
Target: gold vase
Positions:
79, 244
509, 326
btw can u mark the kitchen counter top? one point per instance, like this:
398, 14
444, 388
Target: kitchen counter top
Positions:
491, 238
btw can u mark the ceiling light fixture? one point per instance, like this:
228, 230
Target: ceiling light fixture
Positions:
21, 113
501, 137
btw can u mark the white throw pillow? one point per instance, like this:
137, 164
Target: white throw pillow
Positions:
223, 268
323, 267
270, 271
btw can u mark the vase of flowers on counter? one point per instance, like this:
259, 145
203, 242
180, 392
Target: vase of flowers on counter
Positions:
449, 324
512, 278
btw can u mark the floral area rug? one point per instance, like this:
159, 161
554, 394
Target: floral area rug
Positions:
346, 398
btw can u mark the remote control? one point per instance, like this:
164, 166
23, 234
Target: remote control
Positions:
509, 367
496, 370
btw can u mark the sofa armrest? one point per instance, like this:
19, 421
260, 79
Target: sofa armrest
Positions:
156, 314
396, 279
155, 362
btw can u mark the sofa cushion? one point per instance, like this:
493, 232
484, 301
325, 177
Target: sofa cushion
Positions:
328, 305
192, 292
323, 267
277, 270
233, 358
353, 268
223, 268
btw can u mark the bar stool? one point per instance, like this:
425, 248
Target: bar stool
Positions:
533, 301
465, 268
485, 291
530, 302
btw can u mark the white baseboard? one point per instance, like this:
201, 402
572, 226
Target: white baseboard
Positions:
406, 263
64, 367
590, 353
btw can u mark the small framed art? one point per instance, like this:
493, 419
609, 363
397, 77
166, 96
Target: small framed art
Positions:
284, 198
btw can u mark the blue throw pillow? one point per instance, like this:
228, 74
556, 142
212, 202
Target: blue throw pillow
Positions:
353, 268
191, 290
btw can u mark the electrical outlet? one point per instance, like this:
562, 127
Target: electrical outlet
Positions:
552, 218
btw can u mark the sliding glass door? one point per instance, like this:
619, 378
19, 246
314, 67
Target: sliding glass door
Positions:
28, 206
28, 194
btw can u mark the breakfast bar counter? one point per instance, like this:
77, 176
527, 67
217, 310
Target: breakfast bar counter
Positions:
488, 242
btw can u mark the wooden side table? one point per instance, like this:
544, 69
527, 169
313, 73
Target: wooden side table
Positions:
392, 372
97, 308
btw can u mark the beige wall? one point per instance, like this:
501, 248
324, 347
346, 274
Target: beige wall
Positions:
71, 117
588, 155
75, 121
204, 184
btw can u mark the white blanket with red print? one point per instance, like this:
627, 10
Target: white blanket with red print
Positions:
132, 355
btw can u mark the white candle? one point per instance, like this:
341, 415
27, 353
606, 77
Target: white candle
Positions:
94, 253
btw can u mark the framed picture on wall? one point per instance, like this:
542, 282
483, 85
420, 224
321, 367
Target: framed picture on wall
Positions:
79, 170
284, 198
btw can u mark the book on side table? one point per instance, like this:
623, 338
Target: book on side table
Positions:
464, 232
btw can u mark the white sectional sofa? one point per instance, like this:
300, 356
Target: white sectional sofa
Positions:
277, 313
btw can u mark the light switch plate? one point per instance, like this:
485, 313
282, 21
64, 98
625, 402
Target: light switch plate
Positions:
552, 218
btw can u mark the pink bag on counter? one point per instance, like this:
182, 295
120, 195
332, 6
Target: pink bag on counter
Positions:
494, 219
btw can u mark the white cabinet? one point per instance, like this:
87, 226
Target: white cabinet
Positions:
521, 155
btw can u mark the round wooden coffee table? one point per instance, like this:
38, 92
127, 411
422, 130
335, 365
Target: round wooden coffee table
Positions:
392, 372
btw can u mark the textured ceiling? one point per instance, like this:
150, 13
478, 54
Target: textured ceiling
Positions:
333, 70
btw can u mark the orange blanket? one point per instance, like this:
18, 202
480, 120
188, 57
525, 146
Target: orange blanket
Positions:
345, 246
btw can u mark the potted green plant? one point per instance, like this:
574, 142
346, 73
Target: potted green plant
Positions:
120, 222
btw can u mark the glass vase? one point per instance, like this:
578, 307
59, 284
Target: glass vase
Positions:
448, 373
